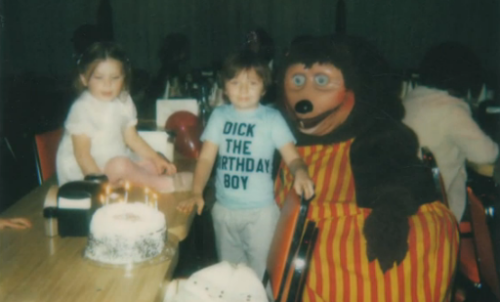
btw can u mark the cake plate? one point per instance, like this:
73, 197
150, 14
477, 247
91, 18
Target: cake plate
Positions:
166, 254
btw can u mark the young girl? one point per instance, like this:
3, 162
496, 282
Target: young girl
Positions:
101, 125
243, 136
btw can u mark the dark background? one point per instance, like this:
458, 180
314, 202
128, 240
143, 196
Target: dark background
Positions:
36, 50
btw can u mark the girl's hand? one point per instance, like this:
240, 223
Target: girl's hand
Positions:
303, 184
15, 223
186, 206
163, 166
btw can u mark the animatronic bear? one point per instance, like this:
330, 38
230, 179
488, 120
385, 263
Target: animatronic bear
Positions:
383, 235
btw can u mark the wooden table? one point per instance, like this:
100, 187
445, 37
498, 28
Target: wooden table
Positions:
34, 267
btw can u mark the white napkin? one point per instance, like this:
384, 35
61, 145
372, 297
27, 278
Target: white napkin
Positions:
220, 282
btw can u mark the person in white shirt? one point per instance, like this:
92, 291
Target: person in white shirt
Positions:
442, 119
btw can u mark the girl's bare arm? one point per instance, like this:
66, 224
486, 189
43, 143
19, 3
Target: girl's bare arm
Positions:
81, 148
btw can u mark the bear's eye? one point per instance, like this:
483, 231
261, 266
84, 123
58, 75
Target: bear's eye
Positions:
321, 79
298, 80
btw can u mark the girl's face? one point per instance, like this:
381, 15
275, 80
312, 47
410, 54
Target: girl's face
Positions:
106, 82
245, 90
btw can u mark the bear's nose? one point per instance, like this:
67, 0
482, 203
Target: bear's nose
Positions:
304, 106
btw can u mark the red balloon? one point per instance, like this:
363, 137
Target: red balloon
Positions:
181, 119
187, 141
188, 130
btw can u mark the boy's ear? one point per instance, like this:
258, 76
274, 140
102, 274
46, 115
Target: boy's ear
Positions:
263, 93
83, 80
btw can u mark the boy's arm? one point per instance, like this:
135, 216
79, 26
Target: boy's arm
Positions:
81, 148
202, 173
204, 166
303, 183
135, 142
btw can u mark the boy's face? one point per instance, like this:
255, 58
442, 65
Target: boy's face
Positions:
245, 90
106, 82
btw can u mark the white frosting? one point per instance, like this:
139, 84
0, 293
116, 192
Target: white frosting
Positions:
127, 219
123, 233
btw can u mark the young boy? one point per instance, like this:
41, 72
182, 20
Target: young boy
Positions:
243, 135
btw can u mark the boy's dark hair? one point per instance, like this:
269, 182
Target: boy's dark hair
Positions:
245, 60
98, 52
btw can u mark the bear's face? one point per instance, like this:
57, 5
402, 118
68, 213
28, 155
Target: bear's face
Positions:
317, 98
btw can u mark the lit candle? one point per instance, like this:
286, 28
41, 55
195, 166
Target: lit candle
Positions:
155, 198
108, 191
146, 193
127, 187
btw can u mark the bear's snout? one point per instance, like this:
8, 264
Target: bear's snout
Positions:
304, 106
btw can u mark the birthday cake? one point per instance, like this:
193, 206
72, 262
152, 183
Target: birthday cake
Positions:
125, 233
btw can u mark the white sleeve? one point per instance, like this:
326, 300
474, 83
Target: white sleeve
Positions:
79, 121
477, 146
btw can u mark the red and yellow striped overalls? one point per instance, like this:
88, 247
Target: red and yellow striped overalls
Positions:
340, 270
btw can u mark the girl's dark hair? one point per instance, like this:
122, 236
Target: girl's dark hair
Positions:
97, 53
245, 60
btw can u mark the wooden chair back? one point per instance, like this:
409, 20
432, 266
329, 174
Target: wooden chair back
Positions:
285, 242
430, 162
46, 145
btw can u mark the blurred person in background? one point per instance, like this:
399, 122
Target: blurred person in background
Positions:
442, 119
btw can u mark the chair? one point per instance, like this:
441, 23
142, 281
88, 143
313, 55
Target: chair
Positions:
45, 145
485, 256
430, 162
297, 275
468, 279
478, 278
285, 242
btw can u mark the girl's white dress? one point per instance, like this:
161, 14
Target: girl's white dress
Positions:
104, 123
